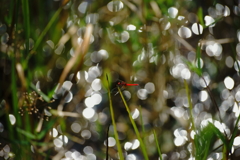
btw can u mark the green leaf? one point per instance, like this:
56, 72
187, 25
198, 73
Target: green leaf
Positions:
192, 67
200, 16
27, 134
204, 140
218, 133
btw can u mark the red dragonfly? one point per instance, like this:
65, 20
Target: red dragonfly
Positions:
123, 84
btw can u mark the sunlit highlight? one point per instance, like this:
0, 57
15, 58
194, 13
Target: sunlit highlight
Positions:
229, 83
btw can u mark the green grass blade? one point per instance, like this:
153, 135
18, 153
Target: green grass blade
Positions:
190, 104
114, 123
14, 87
190, 112
199, 60
26, 15
143, 147
219, 134
44, 96
204, 140
29, 135
200, 16
158, 147
46, 29
224, 139
44, 32
234, 133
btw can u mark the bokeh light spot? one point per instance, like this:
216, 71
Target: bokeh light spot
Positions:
142, 94
67, 85
131, 27
131, 157
205, 80
88, 150
135, 144
214, 49
86, 134
115, 6
237, 96
97, 98
229, 62
59, 49
76, 127
184, 32
82, 7
203, 96
58, 143
60, 63
88, 102
237, 65
180, 137
135, 114
111, 142
103, 53
123, 37
229, 83
68, 97
12, 119
172, 11
185, 73
127, 146
179, 141
209, 21
197, 28
88, 113
150, 87
96, 84
236, 141
54, 132
127, 94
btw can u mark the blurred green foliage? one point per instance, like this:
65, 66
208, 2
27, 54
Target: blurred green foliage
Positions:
55, 56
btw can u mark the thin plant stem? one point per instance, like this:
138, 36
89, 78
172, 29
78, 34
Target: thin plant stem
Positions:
214, 103
114, 123
107, 142
44, 32
143, 147
190, 111
26, 15
158, 147
190, 104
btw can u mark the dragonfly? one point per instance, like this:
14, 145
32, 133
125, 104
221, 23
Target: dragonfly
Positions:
122, 85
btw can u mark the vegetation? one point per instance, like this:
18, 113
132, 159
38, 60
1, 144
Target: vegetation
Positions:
61, 65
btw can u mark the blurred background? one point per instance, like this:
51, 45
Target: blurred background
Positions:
55, 56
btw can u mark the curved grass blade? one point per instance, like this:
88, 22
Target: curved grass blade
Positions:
190, 104
143, 147
114, 123
46, 29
